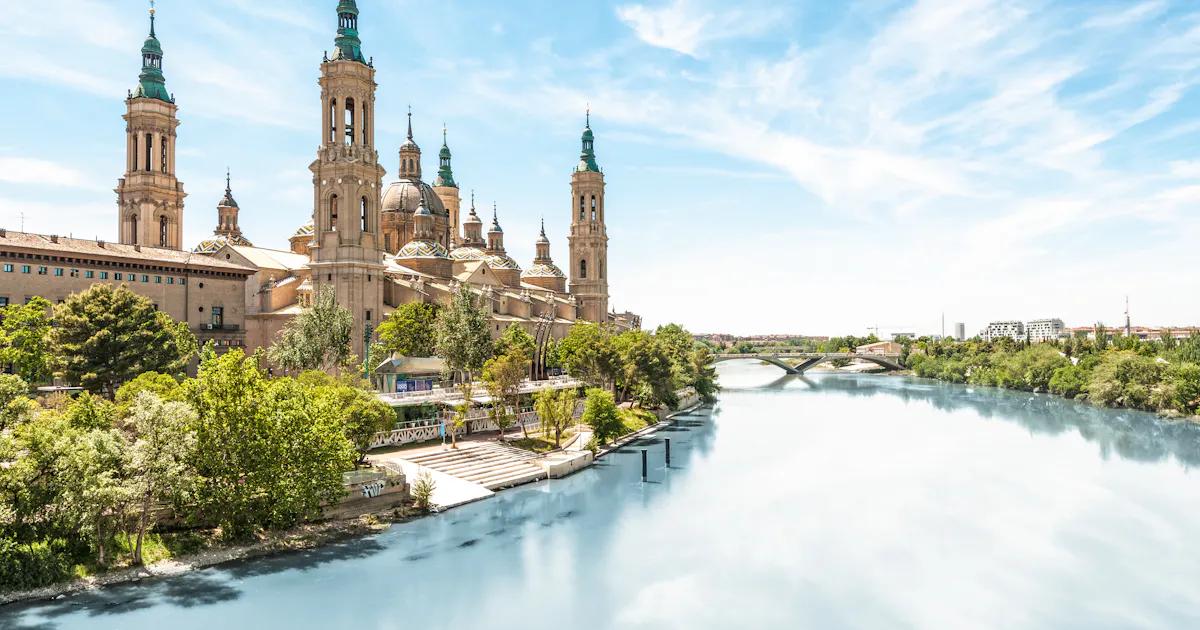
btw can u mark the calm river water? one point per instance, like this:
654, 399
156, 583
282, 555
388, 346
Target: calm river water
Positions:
828, 501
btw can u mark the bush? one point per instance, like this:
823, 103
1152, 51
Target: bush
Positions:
600, 413
23, 567
1125, 379
422, 491
1069, 381
1179, 390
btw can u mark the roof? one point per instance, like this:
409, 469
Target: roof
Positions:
412, 365
62, 245
264, 258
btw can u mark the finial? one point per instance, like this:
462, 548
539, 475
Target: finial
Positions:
227, 189
443, 133
472, 200
152, 18
494, 219
543, 226
410, 122
587, 116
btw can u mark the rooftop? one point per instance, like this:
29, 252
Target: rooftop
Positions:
63, 245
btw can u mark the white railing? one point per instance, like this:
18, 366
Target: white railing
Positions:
478, 420
439, 394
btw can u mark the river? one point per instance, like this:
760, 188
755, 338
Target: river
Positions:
827, 501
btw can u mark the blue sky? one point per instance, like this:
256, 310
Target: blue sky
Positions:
811, 167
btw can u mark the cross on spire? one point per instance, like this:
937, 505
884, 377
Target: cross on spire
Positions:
410, 122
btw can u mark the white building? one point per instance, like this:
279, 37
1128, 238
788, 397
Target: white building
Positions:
960, 331
1040, 330
1012, 329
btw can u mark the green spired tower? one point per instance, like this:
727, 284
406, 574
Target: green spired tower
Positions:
149, 197
588, 239
346, 253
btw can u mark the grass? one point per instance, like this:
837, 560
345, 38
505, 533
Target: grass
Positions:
635, 420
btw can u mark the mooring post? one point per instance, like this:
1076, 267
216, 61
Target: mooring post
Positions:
643, 465
668, 441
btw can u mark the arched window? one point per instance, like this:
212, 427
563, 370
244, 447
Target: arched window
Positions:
149, 150
332, 120
349, 121
593, 207
133, 141
133, 229
333, 211
582, 268
364, 125
581, 208
162, 231
163, 144
601, 269
387, 243
366, 224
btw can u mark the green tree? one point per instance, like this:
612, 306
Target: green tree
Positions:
95, 497
600, 413
1069, 381
503, 376
587, 353
556, 411
464, 342
159, 458
164, 386
316, 339
89, 412
108, 335
25, 339
646, 371
704, 379
268, 454
14, 400
410, 330
1125, 379
362, 415
515, 337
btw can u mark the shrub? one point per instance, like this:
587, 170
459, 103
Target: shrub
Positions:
31, 566
600, 413
422, 491
1125, 379
1069, 381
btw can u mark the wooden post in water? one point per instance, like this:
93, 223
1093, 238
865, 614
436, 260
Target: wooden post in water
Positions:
643, 465
668, 440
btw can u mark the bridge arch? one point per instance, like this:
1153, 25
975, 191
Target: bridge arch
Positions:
811, 359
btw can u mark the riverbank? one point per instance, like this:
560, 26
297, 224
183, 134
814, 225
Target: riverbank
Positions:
300, 538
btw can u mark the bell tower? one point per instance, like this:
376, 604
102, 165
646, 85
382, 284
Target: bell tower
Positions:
346, 252
149, 197
445, 188
588, 239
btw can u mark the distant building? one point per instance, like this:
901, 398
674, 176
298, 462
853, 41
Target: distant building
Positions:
1012, 329
960, 331
1040, 330
908, 335
880, 347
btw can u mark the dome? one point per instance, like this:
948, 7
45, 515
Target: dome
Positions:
543, 270
304, 230
407, 194
211, 244
473, 218
422, 249
502, 261
468, 253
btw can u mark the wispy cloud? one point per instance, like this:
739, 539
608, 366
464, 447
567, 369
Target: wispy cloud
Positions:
686, 26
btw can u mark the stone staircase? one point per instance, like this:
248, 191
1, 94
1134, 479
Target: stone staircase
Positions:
489, 464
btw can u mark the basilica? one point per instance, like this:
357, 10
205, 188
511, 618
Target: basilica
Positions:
375, 245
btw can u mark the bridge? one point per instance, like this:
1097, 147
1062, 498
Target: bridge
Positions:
811, 359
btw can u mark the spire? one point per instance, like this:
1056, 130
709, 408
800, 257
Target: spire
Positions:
228, 201
445, 176
347, 45
151, 83
495, 221
587, 157
410, 122
410, 154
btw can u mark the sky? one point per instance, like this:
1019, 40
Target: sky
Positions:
806, 167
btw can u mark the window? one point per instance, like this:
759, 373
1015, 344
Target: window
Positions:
104, 275
3, 300
170, 279
42, 271
149, 150
134, 230
387, 245
332, 120
349, 121
74, 273
162, 232
218, 317
163, 143
145, 278
24, 268
580, 207
364, 125
157, 279
333, 210
58, 272
582, 268
366, 226
117, 276
601, 269
593, 207
8, 268
89, 274
368, 314
183, 281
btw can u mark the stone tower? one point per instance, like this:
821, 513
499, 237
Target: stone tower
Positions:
227, 216
447, 190
588, 240
149, 197
346, 250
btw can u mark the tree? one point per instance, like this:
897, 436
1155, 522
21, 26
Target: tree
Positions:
89, 412
556, 410
704, 379
515, 337
164, 386
105, 336
464, 343
14, 402
587, 353
411, 330
95, 497
316, 339
25, 339
159, 457
362, 415
503, 376
268, 454
600, 413
646, 369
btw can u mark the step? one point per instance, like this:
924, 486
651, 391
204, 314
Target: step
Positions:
500, 470
508, 480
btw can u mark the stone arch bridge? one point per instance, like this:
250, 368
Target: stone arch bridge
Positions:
811, 359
